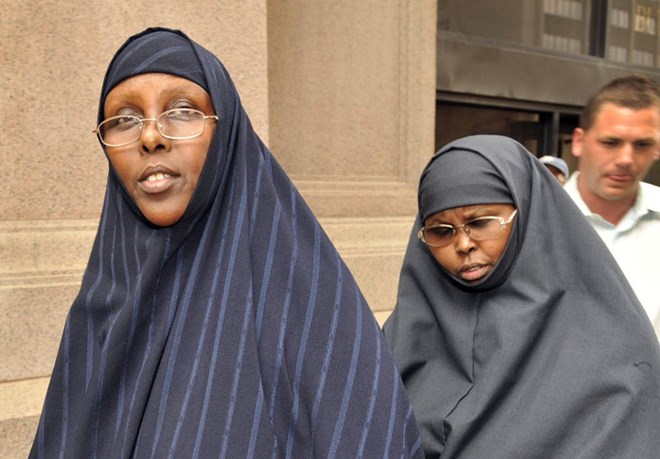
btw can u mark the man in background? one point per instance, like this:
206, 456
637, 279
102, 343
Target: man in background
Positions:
616, 144
556, 166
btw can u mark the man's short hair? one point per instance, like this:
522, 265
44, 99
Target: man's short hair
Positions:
633, 91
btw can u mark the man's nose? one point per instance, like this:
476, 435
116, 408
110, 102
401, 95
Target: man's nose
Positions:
625, 154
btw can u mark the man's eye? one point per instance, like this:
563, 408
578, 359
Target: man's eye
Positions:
609, 143
644, 145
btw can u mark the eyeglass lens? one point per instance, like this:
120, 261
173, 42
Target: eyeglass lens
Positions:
174, 124
479, 229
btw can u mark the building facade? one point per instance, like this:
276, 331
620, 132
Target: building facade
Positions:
341, 91
351, 97
524, 68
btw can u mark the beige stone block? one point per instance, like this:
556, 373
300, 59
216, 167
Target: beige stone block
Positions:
16, 436
42, 266
40, 251
20, 408
19, 399
32, 320
351, 64
352, 100
358, 199
373, 249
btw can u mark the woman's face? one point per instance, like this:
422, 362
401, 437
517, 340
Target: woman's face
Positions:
466, 258
159, 173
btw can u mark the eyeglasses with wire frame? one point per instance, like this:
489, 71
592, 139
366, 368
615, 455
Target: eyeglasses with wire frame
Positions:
479, 229
175, 124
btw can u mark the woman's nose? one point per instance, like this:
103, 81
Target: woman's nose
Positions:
151, 140
463, 242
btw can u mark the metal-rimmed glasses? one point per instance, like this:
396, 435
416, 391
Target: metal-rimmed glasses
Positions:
175, 124
479, 229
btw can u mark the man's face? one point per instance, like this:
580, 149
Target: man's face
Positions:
617, 151
559, 175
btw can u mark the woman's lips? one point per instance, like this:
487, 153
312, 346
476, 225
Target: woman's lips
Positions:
473, 271
156, 179
156, 183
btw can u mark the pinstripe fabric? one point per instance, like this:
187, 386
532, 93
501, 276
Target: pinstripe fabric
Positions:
237, 332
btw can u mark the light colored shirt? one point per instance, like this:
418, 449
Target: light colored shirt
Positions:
634, 242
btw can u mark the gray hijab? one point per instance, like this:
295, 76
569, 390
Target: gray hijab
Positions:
550, 356
480, 183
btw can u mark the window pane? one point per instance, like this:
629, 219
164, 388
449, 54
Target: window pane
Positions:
558, 25
632, 32
454, 121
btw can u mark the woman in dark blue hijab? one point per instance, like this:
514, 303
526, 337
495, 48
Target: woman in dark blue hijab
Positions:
215, 318
538, 349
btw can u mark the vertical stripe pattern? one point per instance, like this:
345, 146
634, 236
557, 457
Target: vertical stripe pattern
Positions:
237, 332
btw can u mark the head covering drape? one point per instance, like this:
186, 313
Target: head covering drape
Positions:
478, 184
236, 332
482, 185
551, 356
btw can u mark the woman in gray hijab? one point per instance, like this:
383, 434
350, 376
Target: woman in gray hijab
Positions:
515, 332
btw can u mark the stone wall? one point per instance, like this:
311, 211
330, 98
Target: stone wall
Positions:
342, 91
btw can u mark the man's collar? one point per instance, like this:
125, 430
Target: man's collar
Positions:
647, 200
571, 187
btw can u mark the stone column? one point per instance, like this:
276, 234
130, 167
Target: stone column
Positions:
342, 91
52, 171
352, 110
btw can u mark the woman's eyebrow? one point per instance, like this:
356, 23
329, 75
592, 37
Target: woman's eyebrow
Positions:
466, 215
436, 221
471, 214
480, 213
183, 89
177, 92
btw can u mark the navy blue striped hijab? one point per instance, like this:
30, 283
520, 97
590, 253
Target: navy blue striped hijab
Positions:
237, 332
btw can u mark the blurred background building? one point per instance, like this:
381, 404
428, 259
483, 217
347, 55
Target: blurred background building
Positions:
524, 68
352, 97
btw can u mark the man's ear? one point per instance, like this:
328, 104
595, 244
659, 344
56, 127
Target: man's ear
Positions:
576, 143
